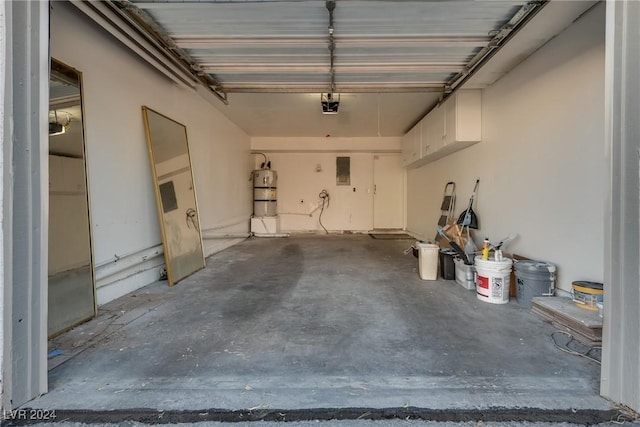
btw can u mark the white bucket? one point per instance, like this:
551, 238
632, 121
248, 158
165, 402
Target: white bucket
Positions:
493, 280
428, 261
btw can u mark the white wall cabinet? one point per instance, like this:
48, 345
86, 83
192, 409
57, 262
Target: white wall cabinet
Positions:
450, 127
411, 146
463, 117
433, 131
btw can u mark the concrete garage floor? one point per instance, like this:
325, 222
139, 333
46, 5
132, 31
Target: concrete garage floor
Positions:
317, 327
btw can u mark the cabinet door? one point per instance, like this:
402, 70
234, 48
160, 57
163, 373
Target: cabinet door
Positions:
463, 117
424, 139
417, 136
406, 150
411, 146
435, 131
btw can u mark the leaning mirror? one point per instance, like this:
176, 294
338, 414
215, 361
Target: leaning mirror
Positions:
71, 292
175, 195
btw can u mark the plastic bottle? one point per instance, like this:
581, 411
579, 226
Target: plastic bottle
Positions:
485, 248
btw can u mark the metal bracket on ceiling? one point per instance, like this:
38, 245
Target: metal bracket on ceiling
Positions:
498, 39
331, 5
146, 25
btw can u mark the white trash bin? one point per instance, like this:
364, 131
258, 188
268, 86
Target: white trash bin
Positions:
428, 261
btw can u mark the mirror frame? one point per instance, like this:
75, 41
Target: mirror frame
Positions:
156, 188
75, 76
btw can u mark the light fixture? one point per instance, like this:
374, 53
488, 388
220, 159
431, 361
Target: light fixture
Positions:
57, 128
329, 103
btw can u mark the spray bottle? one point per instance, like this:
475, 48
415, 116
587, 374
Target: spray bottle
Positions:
485, 248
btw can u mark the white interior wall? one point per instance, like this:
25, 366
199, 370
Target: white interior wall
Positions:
327, 144
541, 159
299, 183
126, 233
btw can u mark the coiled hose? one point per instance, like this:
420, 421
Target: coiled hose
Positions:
324, 196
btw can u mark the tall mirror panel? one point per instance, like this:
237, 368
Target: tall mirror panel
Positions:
175, 195
71, 277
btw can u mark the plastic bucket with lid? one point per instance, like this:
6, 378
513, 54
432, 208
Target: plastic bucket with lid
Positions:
534, 279
465, 275
493, 279
587, 294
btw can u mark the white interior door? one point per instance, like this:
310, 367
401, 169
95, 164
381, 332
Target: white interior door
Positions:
388, 193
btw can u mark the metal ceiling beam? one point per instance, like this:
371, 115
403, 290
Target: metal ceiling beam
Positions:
115, 24
278, 87
249, 68
344, 41
331, 5
147, 25
163, 4
499, 38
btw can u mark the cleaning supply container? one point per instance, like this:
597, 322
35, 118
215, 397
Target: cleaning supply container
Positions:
447, 267
493, 280
534, 279
428, 261
587, 295
465, 274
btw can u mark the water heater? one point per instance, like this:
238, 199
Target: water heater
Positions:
265, 185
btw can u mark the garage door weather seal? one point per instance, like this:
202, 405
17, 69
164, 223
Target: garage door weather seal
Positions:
150, 416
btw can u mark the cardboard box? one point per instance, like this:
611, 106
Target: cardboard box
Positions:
454, 232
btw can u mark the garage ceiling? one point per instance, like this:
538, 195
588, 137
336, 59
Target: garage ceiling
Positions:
390, 61
283, 46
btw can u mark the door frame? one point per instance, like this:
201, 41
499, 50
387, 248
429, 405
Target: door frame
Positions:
24, 96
